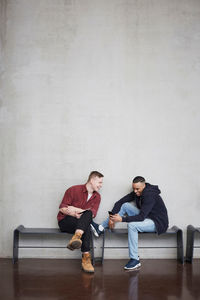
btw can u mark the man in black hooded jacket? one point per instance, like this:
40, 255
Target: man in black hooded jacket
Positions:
149, 214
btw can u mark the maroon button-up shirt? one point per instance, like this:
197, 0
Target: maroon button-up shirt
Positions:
77, 196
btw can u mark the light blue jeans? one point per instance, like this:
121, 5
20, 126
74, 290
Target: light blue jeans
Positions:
133, 227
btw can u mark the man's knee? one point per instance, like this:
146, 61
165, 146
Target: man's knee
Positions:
89, 214
132, 226
126, 205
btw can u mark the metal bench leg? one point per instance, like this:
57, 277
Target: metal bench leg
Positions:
180, 254
102, 256
190, 243
15, 245
92, 248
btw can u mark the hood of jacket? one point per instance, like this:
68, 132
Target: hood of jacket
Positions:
149, 188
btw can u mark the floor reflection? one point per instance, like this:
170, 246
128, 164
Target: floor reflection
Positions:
133, 285
193, 279
63, 279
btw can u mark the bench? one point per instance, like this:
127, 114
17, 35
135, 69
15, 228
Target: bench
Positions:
191, 231
171, 231
21, 230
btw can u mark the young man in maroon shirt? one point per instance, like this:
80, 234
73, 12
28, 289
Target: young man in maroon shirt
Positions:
79, 205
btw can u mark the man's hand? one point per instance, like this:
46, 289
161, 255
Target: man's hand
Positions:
77, 215
69, 210
116, 218
111, 224
78, 212
72, 211
63, 210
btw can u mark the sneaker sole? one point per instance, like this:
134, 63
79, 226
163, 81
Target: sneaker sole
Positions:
133, 268
94, 230
74, 245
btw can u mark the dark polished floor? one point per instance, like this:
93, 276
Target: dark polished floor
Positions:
63, 279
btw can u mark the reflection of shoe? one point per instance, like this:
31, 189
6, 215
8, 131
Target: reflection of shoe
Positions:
86, 263
95, 229
111, 224
75, 242
132, 264
87, 279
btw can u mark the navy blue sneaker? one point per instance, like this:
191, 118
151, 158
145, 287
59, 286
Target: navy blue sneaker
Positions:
95, 229
132, 264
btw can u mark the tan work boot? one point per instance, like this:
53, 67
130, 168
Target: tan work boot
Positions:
86, 263
75, 242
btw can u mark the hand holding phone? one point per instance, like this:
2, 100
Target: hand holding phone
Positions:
110, 213
82, 212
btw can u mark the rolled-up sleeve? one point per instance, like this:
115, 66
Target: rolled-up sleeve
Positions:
67, 199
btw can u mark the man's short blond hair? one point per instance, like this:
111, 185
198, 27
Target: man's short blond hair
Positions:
94, 174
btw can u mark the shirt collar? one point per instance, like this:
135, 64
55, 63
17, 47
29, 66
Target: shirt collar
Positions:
86, 191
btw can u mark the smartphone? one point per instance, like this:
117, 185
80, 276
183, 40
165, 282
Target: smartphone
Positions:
110, 213
82, 212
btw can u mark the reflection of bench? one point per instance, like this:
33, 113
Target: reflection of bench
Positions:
171, 231
191, 230
21, 230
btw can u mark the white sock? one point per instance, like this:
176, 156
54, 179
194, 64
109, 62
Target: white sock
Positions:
101, 228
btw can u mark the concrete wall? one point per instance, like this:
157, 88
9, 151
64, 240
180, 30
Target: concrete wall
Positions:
107, 85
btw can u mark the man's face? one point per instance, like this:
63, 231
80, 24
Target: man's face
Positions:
138, 188
96, 183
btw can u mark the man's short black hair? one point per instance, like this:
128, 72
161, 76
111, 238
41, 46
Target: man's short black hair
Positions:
138, 179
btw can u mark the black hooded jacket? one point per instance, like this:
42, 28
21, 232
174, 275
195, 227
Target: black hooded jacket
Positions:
151, 206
